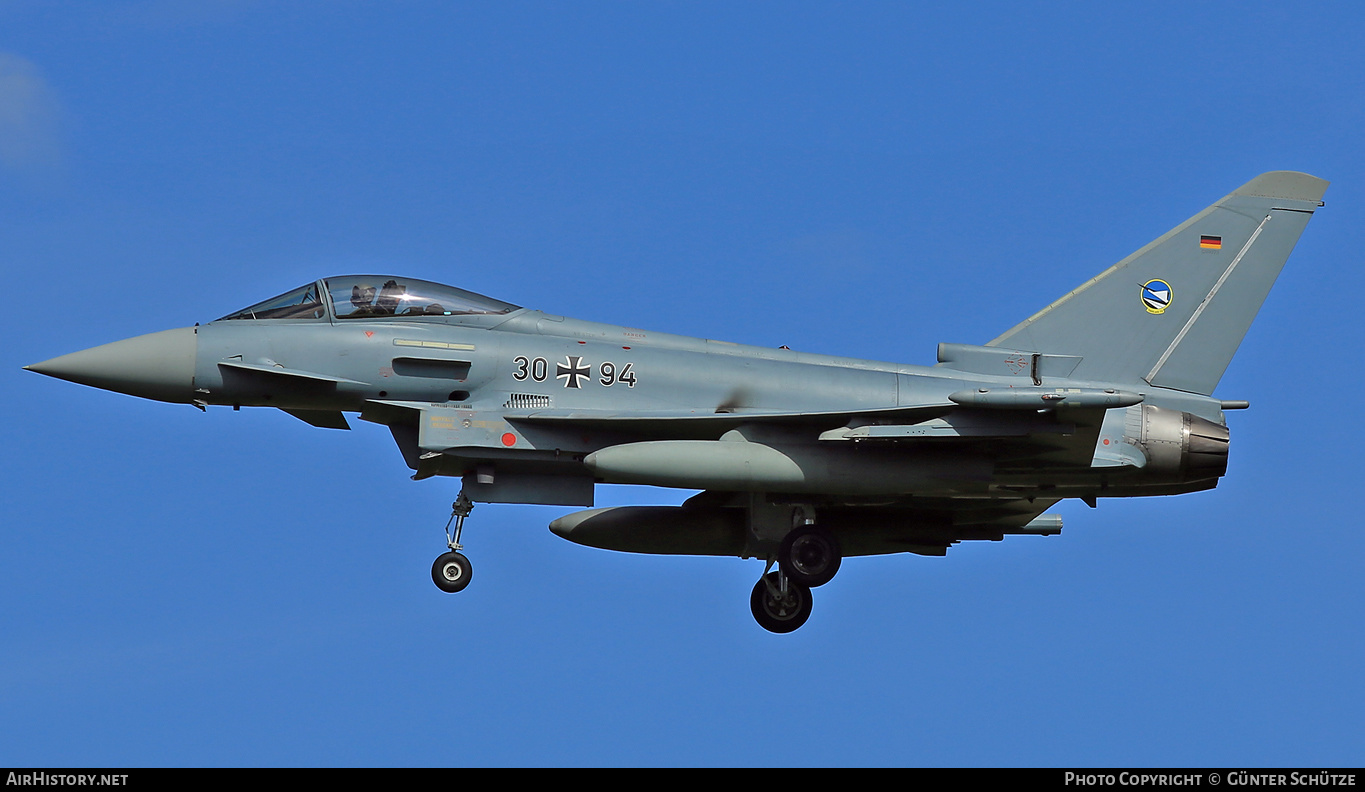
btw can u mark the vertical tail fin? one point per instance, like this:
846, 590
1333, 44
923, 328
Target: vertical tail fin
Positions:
1174, 312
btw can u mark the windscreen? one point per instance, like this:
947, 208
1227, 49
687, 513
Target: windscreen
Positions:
301, 303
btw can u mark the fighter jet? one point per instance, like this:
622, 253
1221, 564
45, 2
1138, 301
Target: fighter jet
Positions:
801, 460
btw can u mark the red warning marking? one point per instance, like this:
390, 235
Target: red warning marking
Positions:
1106, 441
369, 334
509, 439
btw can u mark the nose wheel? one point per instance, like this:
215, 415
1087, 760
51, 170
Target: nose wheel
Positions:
451, 571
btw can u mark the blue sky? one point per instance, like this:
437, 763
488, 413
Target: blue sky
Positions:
865, 179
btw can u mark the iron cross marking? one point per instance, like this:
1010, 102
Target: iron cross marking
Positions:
571, 371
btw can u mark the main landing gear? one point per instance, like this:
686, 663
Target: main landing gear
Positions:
809, 556
452, 572
779, 604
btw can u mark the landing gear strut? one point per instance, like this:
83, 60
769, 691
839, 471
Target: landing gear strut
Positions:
452, 571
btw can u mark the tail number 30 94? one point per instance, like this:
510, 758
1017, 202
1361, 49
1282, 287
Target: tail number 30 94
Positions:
538, 370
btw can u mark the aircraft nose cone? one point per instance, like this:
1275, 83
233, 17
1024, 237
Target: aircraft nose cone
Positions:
155, 366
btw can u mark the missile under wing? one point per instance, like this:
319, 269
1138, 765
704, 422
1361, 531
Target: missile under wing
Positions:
801, 460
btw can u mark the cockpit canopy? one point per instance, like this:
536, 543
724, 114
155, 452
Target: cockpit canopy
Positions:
372, 297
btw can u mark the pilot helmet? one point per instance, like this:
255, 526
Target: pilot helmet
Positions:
362, 294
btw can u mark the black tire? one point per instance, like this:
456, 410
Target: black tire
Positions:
780, 615
451, 572
810, 555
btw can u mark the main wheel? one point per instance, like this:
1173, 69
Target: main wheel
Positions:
780, 613
451, 572
810, 555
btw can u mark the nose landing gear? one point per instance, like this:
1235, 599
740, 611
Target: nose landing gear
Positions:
452, 571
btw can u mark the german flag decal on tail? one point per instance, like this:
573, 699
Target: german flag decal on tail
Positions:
1211, 242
